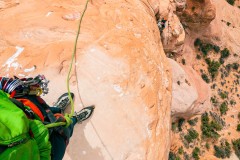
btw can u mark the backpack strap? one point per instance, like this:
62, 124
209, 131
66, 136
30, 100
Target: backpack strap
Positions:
20, 105
34, 108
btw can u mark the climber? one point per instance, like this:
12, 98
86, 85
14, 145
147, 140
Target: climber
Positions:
59, 141
31, 113
162, 24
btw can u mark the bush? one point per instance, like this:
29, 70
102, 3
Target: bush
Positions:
208, 61
238, 127
213, 68
195, 153
207, 145
223, 95
225, 53
228, 67
223, 108
232, 102
191, 136
235, 66
193, 122
228, 23
222, 151
216, 48
208, 130
197, 42
205, 78
214, 100
183, 61
205, 48
231, 2
174, 127
236, 147
173, 156
180, 150
180, 123
221, 60
198, 56
238, 115
214, 124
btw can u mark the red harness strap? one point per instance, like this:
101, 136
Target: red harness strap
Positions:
34, 108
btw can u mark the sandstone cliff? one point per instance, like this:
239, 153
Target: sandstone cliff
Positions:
121, 68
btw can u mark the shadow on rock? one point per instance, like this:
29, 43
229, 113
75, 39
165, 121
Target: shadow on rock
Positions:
79, 147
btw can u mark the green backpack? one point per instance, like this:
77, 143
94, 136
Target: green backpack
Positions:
21, 138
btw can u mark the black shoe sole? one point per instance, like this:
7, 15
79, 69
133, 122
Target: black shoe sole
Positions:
85, 113
62, 96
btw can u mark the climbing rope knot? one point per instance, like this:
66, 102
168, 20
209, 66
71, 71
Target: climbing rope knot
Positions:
68, 120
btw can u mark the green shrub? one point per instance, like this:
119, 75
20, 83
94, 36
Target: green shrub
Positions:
207, 145
231, 2
205, 78
195, 153
223, 95
214, 124
174, 126
222, 151
221, 60
180, 123
208, 130
197, 42
216, 48
235, 66
183, 61
208, 61
228, 23
232, 102
225, 53
214, 100
193, 122
205, 48
228, 67
223, 108
180, 150
213, 68
236, 147
173, 156
191, 135
238, 127
198, 56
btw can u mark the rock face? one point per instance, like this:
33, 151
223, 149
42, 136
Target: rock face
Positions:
173, 35
197, 15
8, 3
190, 94
121, 68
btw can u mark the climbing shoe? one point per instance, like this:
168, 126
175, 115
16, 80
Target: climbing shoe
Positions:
84, 114
63, 101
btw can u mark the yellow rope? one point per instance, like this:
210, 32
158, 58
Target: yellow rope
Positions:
68, 116
73, 56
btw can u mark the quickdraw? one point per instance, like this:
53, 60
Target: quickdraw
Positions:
20, 87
